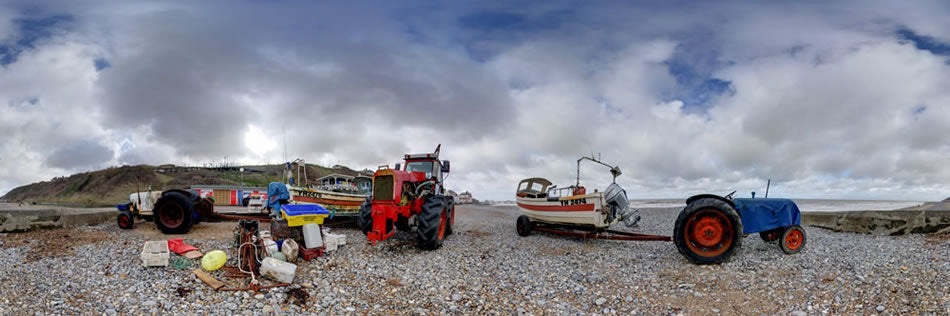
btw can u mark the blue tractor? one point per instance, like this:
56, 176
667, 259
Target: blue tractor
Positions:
710, 228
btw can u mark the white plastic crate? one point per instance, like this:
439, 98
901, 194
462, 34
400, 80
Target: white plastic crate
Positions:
155, 254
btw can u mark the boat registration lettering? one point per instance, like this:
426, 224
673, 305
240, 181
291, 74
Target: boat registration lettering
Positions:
574, 202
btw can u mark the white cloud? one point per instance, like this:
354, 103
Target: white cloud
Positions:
827, 101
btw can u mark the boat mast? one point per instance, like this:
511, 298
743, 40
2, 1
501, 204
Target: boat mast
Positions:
614, 170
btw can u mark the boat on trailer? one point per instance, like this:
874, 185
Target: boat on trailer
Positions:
542, 202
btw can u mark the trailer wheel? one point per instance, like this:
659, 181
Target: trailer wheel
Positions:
125, 220
432, 222
365, 220
793, 239
174, 213
524, 226
770, 235
708, 231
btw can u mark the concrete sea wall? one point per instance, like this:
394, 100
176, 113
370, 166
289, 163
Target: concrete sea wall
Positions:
896, 222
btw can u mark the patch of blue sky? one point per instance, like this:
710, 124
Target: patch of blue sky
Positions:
924, 42
101, 63
29, 31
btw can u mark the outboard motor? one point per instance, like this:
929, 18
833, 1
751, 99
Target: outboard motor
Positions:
616, 199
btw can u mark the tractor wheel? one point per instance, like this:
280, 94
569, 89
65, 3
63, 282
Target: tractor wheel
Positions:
246, 201
524, 226
793, 239
450, 221
708, 231
771, 235
365, 220
174, 213
432, 221
125, 219
402, 224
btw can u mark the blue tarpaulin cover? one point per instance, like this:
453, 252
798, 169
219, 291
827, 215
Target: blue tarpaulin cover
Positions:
304, 209
764, 214
276, 191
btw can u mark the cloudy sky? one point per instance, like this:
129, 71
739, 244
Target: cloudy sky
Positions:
850, 100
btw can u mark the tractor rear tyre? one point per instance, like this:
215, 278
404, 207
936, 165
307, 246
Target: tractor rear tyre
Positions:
125, 220
524, 226
793, 239
174, 213
708, 231
365, 220
771, 235
432, 222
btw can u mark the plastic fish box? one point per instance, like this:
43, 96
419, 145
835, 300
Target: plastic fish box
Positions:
300, 214
155, 254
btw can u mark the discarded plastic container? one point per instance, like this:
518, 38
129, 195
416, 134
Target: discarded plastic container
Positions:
214, 260
279, 256
270, 247
311, 253
332, 241
290, 249
278, 270
312, 236
155, 254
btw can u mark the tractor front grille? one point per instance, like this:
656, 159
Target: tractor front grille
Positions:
383, 188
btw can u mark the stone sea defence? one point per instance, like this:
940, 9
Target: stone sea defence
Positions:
927, 218
17, 218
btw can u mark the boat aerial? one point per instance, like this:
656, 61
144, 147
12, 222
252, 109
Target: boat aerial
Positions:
542, 201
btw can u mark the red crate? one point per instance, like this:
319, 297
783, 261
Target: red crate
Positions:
311, 253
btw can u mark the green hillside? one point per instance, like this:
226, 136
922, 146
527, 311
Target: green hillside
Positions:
113, 185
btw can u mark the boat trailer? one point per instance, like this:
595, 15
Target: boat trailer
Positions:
608, 234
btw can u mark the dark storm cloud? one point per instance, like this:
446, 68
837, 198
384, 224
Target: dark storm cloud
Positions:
309, 70
85, 154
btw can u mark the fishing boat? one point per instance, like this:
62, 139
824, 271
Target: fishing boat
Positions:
542, 201
337, 203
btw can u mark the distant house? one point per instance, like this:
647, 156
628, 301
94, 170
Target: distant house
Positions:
466, 198
363, 183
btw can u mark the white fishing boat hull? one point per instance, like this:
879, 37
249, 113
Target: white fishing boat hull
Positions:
578, 210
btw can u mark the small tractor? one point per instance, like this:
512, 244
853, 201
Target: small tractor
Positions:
413, 195
174, 211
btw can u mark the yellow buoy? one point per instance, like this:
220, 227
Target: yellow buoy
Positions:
214, 260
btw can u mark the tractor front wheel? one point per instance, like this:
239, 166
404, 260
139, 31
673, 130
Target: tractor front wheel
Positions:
125, 220
365, 220
708, 231
432, 223
793, 239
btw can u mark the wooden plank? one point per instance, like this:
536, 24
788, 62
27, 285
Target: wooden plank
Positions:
208, 279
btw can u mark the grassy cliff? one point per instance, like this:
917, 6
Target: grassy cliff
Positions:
113, 185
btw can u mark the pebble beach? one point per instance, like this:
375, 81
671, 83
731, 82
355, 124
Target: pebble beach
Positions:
486, 268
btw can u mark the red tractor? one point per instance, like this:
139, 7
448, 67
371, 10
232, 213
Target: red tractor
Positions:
407, 197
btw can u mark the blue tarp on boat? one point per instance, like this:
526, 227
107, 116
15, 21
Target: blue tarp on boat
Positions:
764, 214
